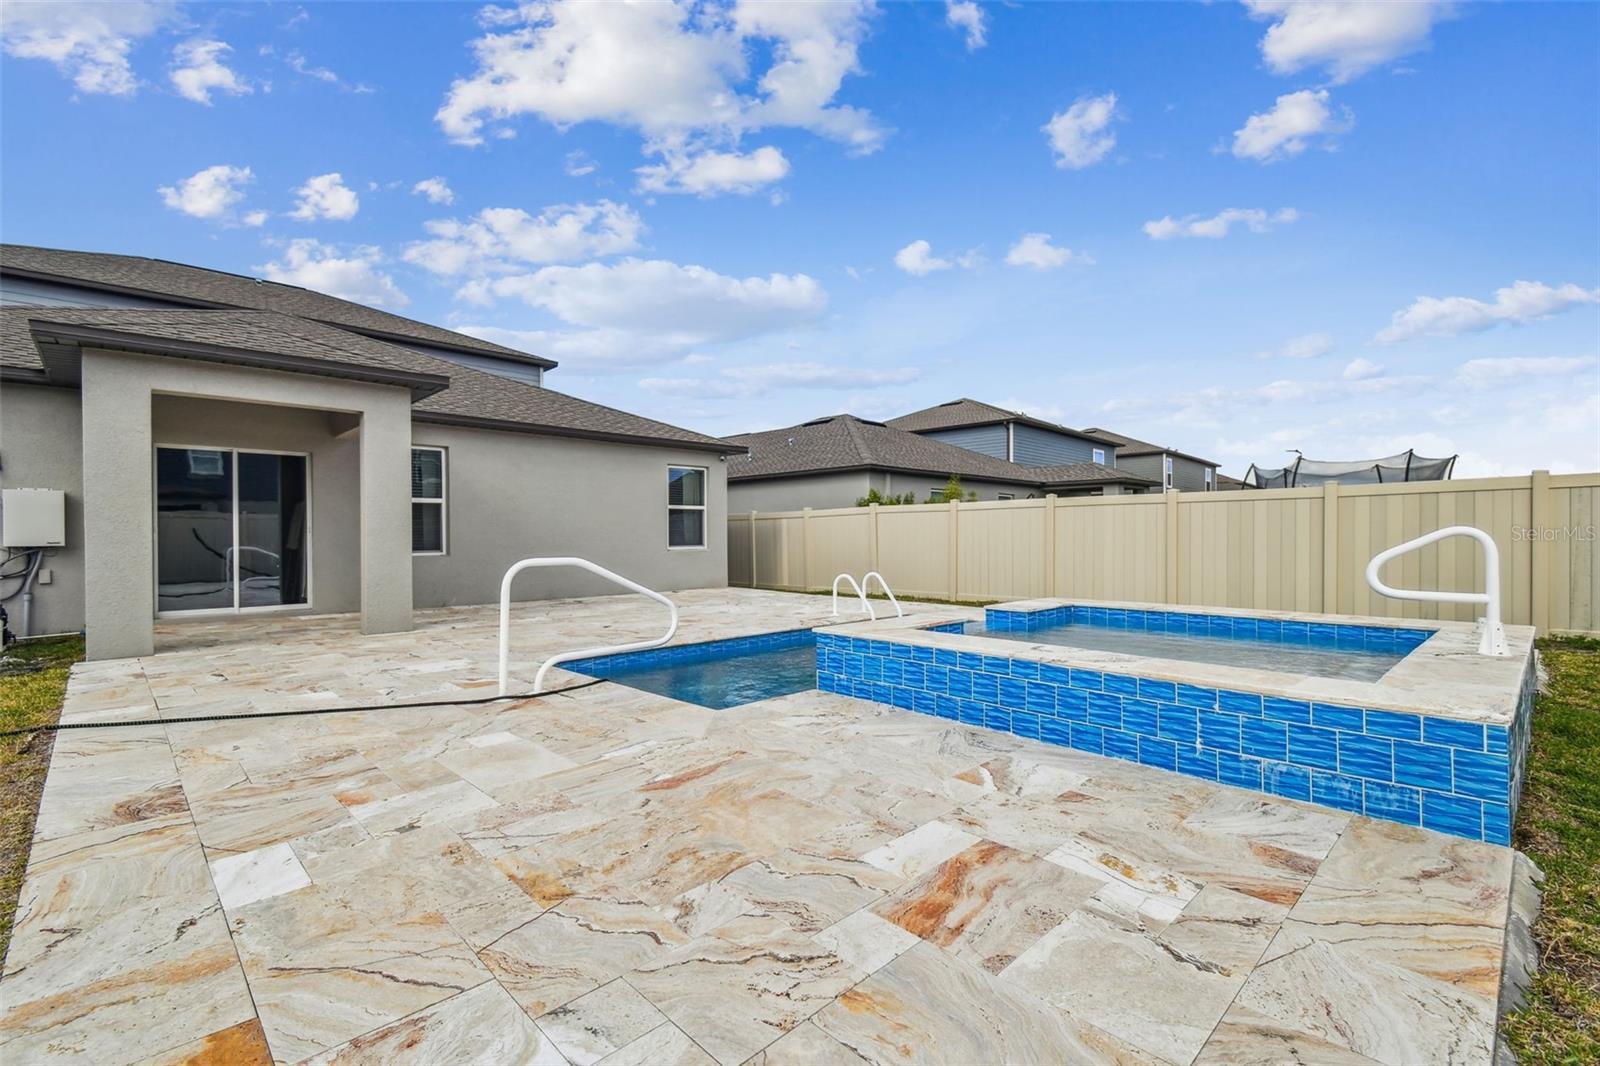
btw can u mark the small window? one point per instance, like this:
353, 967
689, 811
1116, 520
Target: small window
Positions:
1166, 471
1210, 479
1100, 456
686, 507
1005, 495
427, 501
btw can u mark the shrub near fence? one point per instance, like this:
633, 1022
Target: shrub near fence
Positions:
1275, 549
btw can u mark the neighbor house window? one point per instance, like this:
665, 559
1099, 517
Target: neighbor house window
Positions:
1166, 471
686, 507
1211, 481
1005, 495
427, 501
1100, 456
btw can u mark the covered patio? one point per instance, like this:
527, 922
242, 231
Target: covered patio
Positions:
607, 875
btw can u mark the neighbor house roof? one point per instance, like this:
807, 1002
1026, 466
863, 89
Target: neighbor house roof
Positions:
965, 412
199, 287
844, 442
1131, 446
45, 343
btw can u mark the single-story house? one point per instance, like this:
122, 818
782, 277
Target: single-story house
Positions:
835, 461
213, 444
1175, 470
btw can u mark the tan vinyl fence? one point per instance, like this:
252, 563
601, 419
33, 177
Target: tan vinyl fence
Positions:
1274, 549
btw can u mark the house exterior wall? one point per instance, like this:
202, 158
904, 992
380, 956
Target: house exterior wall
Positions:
797, 493
1187, 474
15, 291
988, 440
1041, 447
510, 496
41, 445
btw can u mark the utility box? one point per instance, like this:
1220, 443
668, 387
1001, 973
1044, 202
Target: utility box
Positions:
33, 518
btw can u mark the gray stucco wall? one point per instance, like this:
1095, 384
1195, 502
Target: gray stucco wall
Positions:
797, 493
41, 447
515, 495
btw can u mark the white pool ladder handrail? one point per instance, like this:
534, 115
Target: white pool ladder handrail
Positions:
860, 595
1492, 635
866, 583
582, 653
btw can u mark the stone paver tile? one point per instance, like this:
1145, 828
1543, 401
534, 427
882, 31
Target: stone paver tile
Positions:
867, 941
104, 778
482, 1026
1269, 823
924, 848
736, 990
1224, 927
809, 892
601, 1022
929, 1006
576, 947
1370, 1006
1036, 828
251, 816
987, 904
490, 761
1128, 984
250, 876
1245, 1038
412, 810
1028, 777
243, 1044
665, 1045
806, 1045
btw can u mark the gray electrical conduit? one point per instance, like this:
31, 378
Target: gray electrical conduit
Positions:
477, 700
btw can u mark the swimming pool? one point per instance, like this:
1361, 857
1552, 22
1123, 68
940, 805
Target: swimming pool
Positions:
716, 674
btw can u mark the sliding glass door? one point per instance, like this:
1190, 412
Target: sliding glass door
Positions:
232, 530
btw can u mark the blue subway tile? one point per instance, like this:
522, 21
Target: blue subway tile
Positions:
1333, 716
1181, 724
1395, 725
997, 718
1160, 691
1218, 730
1139, 716
1055, 731
1264, 739
1013, 692
1239, 702
1336, 790
1280, 709
1293, 782
961, 683
1088, 679
1196, 696
1397, 803
1072, 703
944, 657
1105, 710
1240, 770
1041, 698
1122, 745
1154, 752
1055, 675
1197, 762
1452, 732
947, 707
1368, 757
1452, 814
972, 712
968, 660
1024, 724
1088, 738
1310, 746
985, 688
1121, 684
1424, 765
1496, 823
1025, 669
924, 702
1498, 739
1483, 776
936, 678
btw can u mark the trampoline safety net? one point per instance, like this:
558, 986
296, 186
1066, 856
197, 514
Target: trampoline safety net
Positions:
1305, 473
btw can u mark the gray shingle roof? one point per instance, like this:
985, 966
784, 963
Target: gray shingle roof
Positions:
447, 392
197, 285
966, 412
844, 442
1131, 446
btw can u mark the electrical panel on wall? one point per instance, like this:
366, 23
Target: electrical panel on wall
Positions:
33, 518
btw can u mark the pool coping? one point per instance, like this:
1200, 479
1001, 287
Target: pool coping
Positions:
1443, 677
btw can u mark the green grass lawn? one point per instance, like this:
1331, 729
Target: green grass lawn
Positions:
1558, 827
33, 682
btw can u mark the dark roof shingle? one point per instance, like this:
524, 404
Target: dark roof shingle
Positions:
966, 412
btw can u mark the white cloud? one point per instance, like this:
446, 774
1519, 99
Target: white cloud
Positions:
326, 196
747, 381
212, 194
352, 275
198, 70
502, 239
918, 258
1217, 226
1359, 369
711, 172
639, 311
1347, 39
1305, 346
673, 72
437, 190
968, 17
87, 42
1518, 303
578, 163
1079, 135
1493, 373
1288, 128
1035, 250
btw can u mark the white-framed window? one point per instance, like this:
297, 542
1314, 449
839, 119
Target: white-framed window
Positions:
1005, 495
429, 518
1211, 479
686, 507
1099, 455
1166, 471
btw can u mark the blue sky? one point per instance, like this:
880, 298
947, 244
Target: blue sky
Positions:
1234, 229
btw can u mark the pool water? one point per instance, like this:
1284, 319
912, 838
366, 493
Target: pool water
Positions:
1352, 664
717, 674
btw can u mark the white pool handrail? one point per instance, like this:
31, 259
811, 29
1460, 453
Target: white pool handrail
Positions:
866, 583
582, 653
860, 595
1492, 635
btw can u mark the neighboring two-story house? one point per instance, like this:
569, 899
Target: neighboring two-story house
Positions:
1009, 435
1175, 470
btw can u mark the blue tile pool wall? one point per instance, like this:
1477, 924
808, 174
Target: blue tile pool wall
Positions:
1444, 774
688, 653
1387, 639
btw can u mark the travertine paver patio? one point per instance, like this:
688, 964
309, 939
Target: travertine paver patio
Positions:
609, 876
